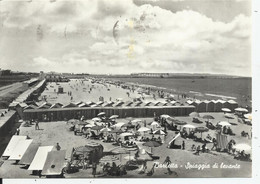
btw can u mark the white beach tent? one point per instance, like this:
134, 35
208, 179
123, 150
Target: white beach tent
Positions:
12, 144
40, 158
20, 149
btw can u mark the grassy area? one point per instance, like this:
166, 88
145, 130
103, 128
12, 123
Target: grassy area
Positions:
6, 99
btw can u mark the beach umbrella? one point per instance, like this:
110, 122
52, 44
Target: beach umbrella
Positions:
143, 129
208, 117
109, 159
159, 132
248, 116
73, 121
242, 146
152, 144
165, 116
113, 117
144, 157
226, 110
129, 118
101, 114
241, 109
118, 125
119, 150
178, 122
154, 123
171, 118
194, 114
82, 150
96, 128
224, 123
201, 130
189, 126
229, 116
129, 157
136, 121
82, 122
105, 130
117, 131
89, 126
126, 134
96, 119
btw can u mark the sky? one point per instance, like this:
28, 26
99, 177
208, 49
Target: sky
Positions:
126, 36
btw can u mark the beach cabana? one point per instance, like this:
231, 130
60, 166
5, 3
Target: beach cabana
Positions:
224, 103
190, 102
54, 163
232, 104
12, 145
218, 105
20, 149
222, 142
31, 107
92, 150
201, 106
40, 158
209, 106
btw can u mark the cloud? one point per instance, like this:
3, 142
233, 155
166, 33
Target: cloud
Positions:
78, 36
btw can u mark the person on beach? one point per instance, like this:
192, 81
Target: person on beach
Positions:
58, 147
168, 162
37, 125
17, 131
183, 145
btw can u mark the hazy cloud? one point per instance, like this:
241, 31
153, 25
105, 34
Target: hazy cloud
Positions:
77, 36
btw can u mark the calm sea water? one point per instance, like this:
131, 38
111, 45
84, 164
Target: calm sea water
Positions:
239, 88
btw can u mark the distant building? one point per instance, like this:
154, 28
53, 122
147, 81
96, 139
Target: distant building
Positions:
162, 75
5, 72
55, 77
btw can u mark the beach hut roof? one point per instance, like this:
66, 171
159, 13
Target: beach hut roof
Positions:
190, 102
78, 103
197, 101
128, 103
56, 105
221, 101
31, 107
206, 101
23, 105
90, 103
214, 101
70, 105
45, 106
137, 103
83, 105
100, 102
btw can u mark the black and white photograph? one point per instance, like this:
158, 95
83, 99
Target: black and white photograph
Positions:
125, 89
